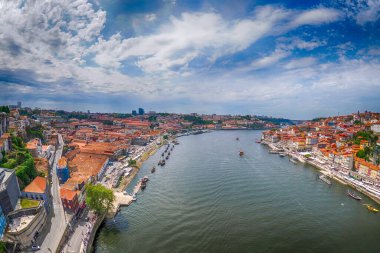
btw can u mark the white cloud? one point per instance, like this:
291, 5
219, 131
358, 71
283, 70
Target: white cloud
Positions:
271, 59
316, 17
300, 63
150, 17
368, 11
192, 35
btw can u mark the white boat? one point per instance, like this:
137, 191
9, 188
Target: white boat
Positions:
293, 161
134, 197
324, 179
282, 154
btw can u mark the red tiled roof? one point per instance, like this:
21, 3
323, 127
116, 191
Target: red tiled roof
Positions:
38, 185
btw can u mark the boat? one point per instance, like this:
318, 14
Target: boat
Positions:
353, 195
153, 169
167, 157
237, 138
371, 208
241, 153
324, 179
282, 154
144, 180
162, 154
274, 151
162, 162
134, 197
258, 141
293, 161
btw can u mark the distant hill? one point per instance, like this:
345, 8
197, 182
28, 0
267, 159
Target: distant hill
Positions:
278, 121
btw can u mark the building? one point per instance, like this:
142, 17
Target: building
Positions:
375, 128
37, 190
63, 172
9, 190
25, 224
141, 111
34, 146
3, 223
134, 112
89, 165
69, 199
4, 123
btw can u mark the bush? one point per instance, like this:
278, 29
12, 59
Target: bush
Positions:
361, 154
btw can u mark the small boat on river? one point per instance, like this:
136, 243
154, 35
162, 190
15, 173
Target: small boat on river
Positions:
293, 161
324, 179
282, 154
353, 195
153, 169
241, 153
371, 208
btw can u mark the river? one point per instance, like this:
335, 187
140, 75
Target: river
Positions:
208, 199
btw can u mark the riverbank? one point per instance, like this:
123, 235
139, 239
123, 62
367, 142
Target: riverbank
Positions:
326, 169
122, 199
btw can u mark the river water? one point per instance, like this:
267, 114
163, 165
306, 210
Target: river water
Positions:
208, 199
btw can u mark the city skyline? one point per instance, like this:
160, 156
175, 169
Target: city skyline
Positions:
276, 58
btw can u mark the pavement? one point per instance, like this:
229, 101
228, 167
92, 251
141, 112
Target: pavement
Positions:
57, 223
74, 243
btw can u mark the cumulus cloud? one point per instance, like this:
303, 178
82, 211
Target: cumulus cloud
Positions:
58, 48
192, 35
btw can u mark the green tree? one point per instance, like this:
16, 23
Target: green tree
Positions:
3, 249
361, 154
99, 198
132, 162
165, 137
5, 109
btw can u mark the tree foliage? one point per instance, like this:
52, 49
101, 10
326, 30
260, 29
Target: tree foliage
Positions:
99, 198
197, 120
35, 132
20, 160
132, 162
4, 108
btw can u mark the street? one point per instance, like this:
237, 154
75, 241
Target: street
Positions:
54, 228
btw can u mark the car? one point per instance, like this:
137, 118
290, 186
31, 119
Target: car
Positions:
36, 248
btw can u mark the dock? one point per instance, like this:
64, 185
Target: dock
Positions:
121, 199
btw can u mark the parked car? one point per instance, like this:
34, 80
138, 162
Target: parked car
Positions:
36, 248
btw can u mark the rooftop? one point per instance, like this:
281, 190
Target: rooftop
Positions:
38, 185
67, 194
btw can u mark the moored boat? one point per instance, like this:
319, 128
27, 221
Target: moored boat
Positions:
134, 197
241, 153
293, 161
371, 208
353, 195
153, 169
324, 179
282, 154
237, 138
258, 141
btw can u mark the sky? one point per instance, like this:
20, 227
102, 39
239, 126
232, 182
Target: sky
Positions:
293, 59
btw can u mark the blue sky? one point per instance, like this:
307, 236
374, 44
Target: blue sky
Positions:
295, 59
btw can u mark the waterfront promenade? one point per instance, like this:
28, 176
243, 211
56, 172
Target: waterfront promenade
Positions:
330, 169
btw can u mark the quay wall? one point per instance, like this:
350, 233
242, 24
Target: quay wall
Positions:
94, 230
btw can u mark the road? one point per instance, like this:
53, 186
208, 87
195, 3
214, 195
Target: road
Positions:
55, 227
